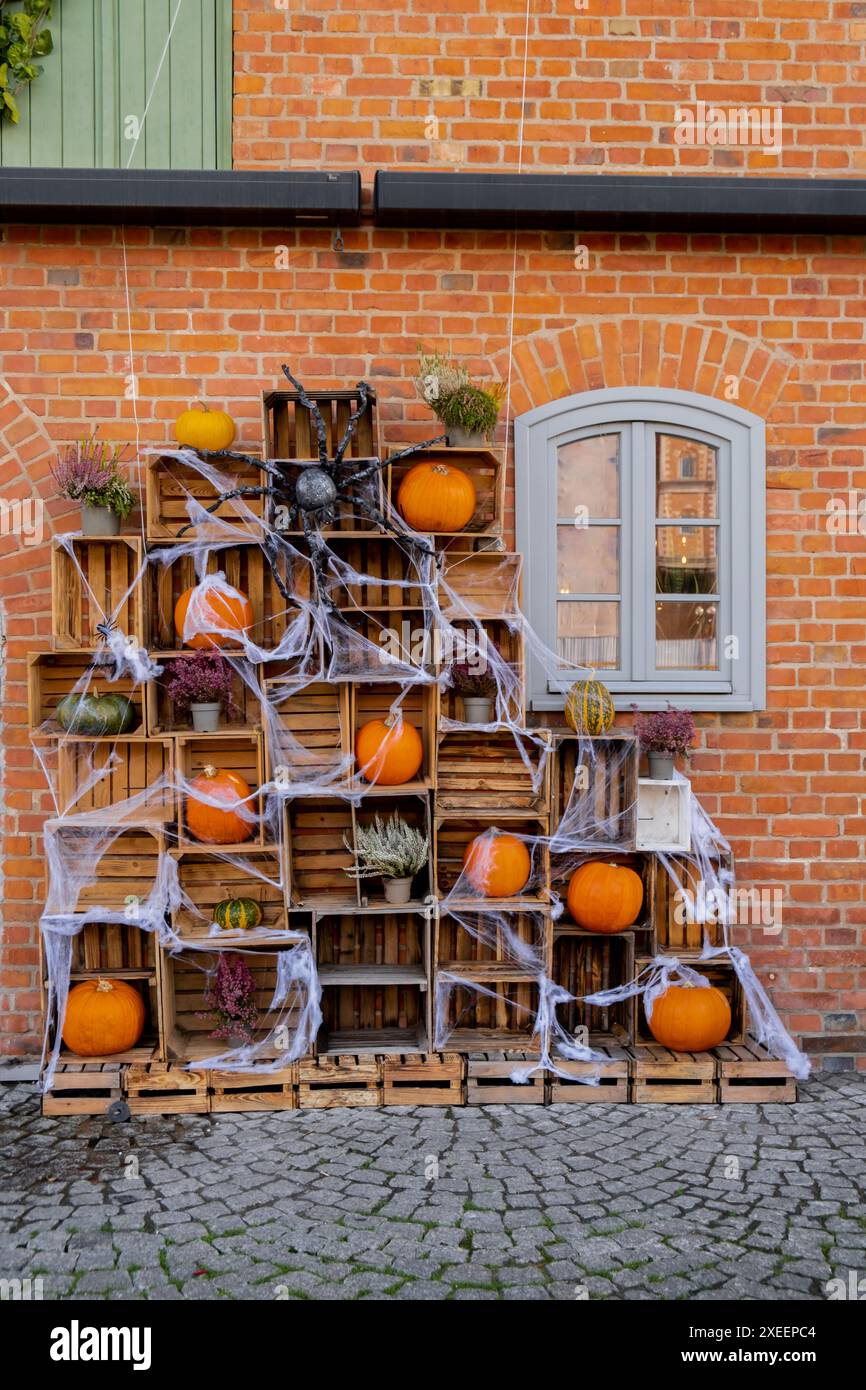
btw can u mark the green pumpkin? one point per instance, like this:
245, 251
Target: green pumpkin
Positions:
589, 708
96, 716
237, 914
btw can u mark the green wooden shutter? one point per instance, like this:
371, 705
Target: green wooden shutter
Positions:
81, 111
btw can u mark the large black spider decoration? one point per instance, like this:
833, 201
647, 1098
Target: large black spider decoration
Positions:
312, 497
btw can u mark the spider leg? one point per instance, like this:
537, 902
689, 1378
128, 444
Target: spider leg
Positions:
269, 545
373, 514
364, 394
227, 497
364, 473
266, 467
416, 448
317, 547
316, 414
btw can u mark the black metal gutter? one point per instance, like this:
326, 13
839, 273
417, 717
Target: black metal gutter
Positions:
224, 197
629, 202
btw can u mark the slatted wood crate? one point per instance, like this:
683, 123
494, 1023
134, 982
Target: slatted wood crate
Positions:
723, 976
373, 970
480, 585
477, 938
187, 1028
83, 1088
486, 645
124, 768
748, 1074
586, 963
110, 949
432, 1078
166, 1088
564, 866
96, 581
325, 1083
125, 867
660, 1076
375, 574
372, 647
171, 483
683, 898
208, 878
453, 833
414, 810
164, 719
489, 1079
51, 676
591, 1083
595, 789
414, 704
308, 733
239, 1092
490, 1006
103, 944
319, 833
504, 769
486, 468
238, 753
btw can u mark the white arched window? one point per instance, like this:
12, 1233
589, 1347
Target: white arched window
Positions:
641, 517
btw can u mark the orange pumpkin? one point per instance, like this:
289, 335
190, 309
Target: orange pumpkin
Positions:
498, 866
436, 497
203, 428
210, 824
388, 751
225, 609
605, 897
103, 1017
687, 1018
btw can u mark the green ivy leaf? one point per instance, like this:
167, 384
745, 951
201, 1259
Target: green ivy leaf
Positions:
12, 107
22, 24
44, 44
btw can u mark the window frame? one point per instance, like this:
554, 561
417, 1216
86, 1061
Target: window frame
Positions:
740, 435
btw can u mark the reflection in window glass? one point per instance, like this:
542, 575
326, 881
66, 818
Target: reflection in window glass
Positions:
686, 559
587, 478
587, 559
686, 478
686, 637
587, 634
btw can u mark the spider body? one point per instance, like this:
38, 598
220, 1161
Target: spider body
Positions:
316, 495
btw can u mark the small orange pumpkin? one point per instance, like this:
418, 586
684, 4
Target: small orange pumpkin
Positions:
436, 497
388, 751
498, 866
687, 1018
605, 897
203, 428
225, 609
103, 1017
208, 823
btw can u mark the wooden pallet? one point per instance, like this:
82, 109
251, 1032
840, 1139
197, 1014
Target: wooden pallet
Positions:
83, 1088
488, 1079
166, 1088
575, 1087
432, 1078
324, 1083
234, 1092
748, 1075
674, 1078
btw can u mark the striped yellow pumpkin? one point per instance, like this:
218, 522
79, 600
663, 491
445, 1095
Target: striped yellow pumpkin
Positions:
589, 708
237, 914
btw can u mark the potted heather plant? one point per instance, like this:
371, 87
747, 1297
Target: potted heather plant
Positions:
391, 850
477, 689
88, 472
200, 685
230, 1001
468, 411
663, 734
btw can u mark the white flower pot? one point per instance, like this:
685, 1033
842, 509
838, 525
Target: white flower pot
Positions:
99, 521
477, 709
398, 890
205, 717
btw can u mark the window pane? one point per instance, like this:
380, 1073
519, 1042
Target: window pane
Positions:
686, 636
587, 559
686, 477
587, 477
588, 634
686, 559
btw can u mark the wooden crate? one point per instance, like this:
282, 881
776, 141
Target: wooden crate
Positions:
748, 1074
486, 468
208, 878
315, 836
164, 719
660, 1076
237, 1092
605, 805
564, 866
432, 1078
479, 938
127, 767
467, 641
165, 1088
125, 872
383, 575
480, 772
109, 950
185, 977
723, 976
143, 980
375, 1018
493, 1006
452, 833
585, 963
97, 583
488, 1079
53, 675
308, 732
414, 809
83, 1088
566, 1085
247, 568
169, 485
386, 947
480, 584
371, 647
326, 1083
678, 929
415, 704
239, 753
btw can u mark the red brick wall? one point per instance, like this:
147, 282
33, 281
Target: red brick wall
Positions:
213, 316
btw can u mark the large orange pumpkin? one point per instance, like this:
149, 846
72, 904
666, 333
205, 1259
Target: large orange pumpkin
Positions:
228, 609
687, 1018
388, 751
436, 497
605, 897
103, 1017
210, 824
498, 866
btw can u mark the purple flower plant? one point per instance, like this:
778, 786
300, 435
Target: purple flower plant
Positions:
203, 677
230, 1000
668, 730
88, 471
468, 680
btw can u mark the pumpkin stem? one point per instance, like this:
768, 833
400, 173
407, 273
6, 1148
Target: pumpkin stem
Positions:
441, 468
209, 770
104, 986
204, 405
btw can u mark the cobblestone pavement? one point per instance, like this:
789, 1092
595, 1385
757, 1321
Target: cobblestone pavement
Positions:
499, 1202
